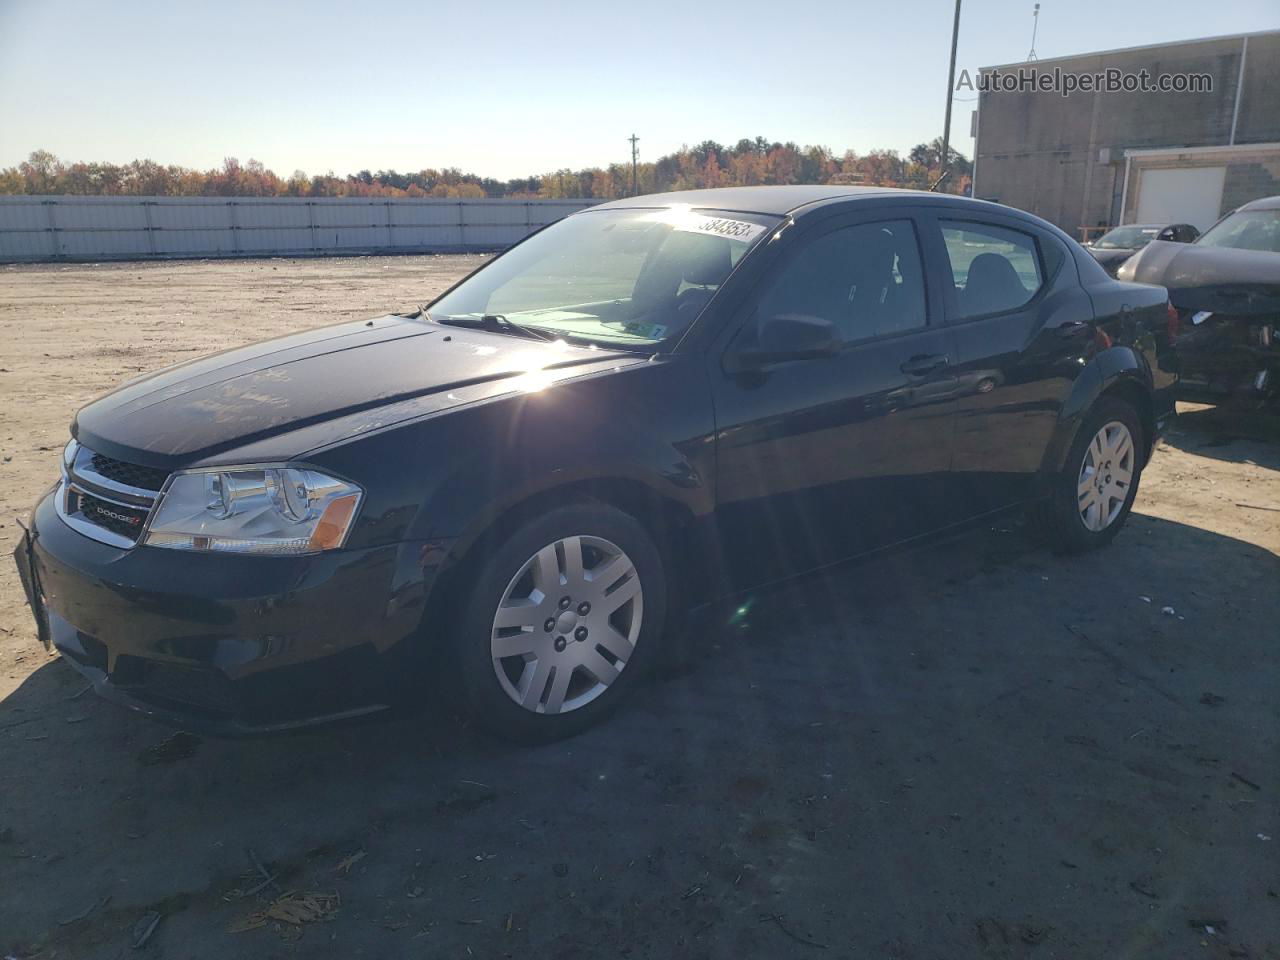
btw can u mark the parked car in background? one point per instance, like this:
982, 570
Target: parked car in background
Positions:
1226, 289
650, 405
1120, 243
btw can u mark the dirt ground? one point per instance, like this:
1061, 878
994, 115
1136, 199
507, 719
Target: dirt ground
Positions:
973, 749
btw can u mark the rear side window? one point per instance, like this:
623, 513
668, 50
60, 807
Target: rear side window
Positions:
995, 269
867, 280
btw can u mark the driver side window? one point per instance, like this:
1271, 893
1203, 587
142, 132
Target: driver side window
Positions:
866, 280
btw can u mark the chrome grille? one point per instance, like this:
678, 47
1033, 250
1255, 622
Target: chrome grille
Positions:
129, 474
107, 499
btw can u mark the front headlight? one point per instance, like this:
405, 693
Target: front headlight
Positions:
279, 511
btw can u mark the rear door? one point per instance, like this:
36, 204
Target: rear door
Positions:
821, 459
1023, 329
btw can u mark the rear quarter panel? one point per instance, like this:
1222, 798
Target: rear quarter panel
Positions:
1133, 350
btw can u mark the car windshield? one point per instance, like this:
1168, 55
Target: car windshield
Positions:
622, 277
1127, 238
1246, 230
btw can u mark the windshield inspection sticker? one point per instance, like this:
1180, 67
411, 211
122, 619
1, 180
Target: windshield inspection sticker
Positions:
739, 230
650, 331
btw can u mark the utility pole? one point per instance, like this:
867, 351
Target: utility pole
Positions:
635, 179
951, 86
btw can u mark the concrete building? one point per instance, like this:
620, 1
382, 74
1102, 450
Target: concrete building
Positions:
1102, 158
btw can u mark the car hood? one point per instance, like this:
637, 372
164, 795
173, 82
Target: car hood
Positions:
1219, 279
346, 379
1110, 254
1110, 259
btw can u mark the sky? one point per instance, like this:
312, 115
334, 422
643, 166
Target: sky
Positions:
510, 89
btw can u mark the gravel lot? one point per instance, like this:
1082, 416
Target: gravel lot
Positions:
974, 749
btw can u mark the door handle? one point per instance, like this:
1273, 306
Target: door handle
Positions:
921, 364
1073, 327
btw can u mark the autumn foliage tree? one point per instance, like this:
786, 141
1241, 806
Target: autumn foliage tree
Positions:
749, 162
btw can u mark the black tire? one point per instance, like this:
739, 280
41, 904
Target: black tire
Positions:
480, 695
1057, 520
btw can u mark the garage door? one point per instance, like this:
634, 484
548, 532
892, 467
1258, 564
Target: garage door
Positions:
1185, 195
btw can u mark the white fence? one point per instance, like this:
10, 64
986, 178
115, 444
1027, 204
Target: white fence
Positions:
144, 228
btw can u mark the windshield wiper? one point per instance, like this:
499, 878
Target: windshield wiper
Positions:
497, 323
500, 322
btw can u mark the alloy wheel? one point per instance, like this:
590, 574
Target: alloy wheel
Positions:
567, 624
1106, 476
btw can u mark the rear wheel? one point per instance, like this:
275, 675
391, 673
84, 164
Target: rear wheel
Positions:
562, 622
1091, 497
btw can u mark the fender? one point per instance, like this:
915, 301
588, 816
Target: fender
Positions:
640, 435
657, 471
676, 490
648, 425
425, 564
1106, 370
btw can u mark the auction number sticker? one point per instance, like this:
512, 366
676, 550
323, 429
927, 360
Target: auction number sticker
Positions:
739, 230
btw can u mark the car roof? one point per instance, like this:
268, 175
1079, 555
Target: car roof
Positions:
777, 200
803, 201
1264, 203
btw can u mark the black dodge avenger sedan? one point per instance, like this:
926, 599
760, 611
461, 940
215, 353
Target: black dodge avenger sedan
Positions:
512, 496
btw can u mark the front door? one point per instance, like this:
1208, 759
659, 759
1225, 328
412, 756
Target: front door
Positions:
822, 459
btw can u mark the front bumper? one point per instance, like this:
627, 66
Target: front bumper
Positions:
1228, 356
226, 644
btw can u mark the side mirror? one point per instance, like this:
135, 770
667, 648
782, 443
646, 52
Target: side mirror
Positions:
788, 336
1168, 233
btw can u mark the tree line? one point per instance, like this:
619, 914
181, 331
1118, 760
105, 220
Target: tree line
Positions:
709, 164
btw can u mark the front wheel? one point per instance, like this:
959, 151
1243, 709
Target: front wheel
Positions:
563, 619
1091, 497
